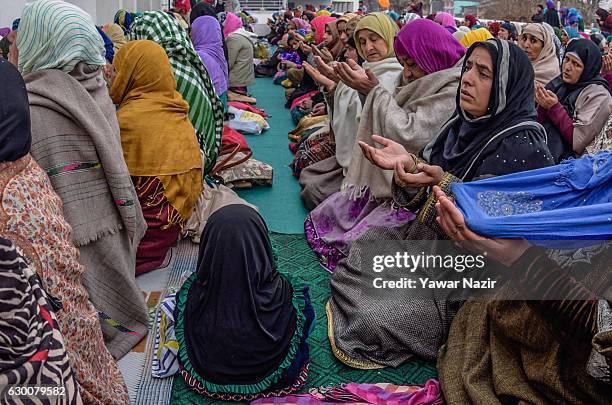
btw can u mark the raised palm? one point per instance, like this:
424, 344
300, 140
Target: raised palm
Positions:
387, 157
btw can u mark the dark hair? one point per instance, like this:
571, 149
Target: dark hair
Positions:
540, 6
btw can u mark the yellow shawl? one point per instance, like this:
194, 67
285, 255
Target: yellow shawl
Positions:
157, 137
479, 35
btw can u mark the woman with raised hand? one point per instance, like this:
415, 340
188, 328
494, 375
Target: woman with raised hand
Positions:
537, 42
159, 147
33, 217
75, 139
192, 79
492, 132
575, 105
411, 114
374, 36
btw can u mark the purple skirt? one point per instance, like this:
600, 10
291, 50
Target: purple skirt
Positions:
338, 221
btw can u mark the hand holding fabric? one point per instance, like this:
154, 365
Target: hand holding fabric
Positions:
505, 251
545, 98
318, 77
354, 76
386, 158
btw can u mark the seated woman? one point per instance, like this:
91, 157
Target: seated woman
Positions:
493, 132
537, 42
374, 37
447, 21
412, 114
239, 54
76, 141
553, 351
207, 39
32, 218
507, 31
574, 107
192, 79
241, 322
153, 117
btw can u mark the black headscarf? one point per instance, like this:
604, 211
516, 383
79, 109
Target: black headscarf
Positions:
511, 103
590, 56
202, 9
15, 130
239, 317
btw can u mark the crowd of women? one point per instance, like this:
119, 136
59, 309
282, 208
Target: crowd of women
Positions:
406, 129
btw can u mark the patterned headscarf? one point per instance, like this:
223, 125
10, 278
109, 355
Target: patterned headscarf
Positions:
57, 35
192, 79
124, 19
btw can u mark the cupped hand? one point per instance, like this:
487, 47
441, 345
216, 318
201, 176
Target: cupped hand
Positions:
324, 54
318, 77
545, 98
356, 77
326, 69
387, 157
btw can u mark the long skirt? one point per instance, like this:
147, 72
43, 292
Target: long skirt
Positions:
319, 181
162, 229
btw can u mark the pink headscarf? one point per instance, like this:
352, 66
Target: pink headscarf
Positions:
232, 23
319, 25
430, 45
445, 19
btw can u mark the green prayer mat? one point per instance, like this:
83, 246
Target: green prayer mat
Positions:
295, 256
280, 205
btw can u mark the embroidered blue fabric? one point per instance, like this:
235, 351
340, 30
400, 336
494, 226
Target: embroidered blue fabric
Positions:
569, 201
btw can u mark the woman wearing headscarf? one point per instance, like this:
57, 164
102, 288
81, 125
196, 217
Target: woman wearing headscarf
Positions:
411, 114
493, 132
470, 21
567, 34
192, 79
374, 35
554, 347
108, 46
115, 33
76, 140
575, 105
300, 25
153, 117
124, 19
33, 217
204, 9
507, 31
240, 54
447, 21
551, 16
207, 39
256, 346
318, 27
477, 35
537, 42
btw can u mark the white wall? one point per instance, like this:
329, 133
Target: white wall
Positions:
101, 11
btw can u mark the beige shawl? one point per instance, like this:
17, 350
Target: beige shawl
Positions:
546, 65
412, 116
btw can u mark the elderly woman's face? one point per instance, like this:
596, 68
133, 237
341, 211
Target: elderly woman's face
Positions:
411, 70
531, 45
373, 45
476, 83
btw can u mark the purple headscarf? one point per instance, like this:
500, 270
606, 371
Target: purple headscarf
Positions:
206, 37
431, 46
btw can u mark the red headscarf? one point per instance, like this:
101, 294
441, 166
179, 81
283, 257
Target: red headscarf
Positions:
471, 20
319, 26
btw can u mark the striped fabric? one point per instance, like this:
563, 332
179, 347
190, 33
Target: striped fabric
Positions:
165, 352
192, 79
57, 35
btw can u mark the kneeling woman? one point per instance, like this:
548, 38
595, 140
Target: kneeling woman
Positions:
159, 147
241, 324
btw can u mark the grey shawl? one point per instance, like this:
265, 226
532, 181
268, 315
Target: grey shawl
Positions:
76, 140
412, 116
